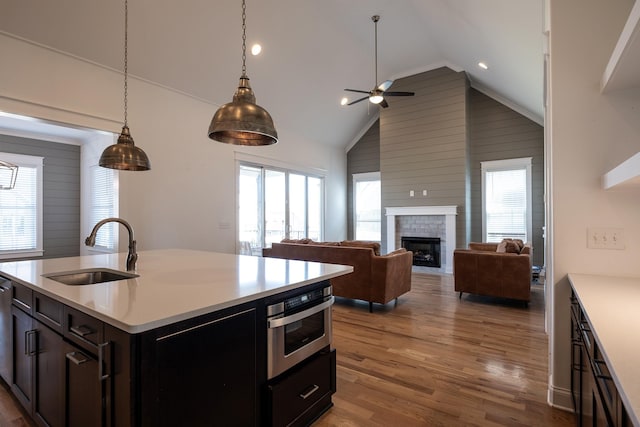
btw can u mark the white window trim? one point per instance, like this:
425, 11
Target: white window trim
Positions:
501, 165
362, 177
37, 162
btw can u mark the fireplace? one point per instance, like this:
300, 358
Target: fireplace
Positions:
426, 250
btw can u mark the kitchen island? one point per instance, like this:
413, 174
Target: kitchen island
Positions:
606, 342
184, 341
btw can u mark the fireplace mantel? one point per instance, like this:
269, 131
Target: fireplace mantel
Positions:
449, 212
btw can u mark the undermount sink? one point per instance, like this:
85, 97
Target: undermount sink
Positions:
89, 276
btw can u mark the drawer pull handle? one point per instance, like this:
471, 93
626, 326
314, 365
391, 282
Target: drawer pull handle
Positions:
81, 330
73, 357
312, 390
102, 375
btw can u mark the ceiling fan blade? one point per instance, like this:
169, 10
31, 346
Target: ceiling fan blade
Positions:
358, 91
383, 104
358, 100
385, 85
399, 93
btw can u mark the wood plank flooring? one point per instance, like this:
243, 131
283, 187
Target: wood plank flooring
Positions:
436, 360
433, 360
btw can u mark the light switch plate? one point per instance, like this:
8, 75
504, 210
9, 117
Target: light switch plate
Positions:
605, 238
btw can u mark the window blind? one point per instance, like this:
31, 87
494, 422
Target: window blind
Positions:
506, 204
19, 212
103, 206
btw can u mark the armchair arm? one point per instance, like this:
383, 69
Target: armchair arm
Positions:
391, 275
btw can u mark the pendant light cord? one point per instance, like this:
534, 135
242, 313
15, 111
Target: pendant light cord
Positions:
244, 39
126, 40
375, 21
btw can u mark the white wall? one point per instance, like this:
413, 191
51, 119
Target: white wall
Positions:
187, 200
590, 134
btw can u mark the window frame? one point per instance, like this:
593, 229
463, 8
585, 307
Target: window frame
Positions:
36, 162
287, 171
363, 177
507, 165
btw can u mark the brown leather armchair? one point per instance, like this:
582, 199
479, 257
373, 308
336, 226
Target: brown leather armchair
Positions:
375, 278
484, 271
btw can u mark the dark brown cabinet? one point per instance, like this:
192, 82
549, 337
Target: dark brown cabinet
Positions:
595, 397
37, 369
83, 391
5, 329
202, 372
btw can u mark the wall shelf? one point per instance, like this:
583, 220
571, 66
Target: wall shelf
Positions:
623, 69
625, 175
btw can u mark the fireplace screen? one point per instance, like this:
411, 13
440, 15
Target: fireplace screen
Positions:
426, 250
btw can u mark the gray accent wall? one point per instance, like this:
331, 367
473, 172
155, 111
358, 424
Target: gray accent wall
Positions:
423, 145
497, 133
61, 192
363, 157
436, 140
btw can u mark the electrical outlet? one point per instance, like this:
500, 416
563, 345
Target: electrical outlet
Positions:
605, 238
424, 192
411, 193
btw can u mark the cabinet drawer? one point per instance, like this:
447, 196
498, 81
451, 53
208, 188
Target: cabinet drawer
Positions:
22, 297
82, 329
304, 392
48, 311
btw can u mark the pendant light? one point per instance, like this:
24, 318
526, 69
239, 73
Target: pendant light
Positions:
8, 175
124, 155
242, 121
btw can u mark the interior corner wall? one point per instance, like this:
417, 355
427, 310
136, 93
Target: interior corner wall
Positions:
496, 132
423, 145
363, 157
590, 134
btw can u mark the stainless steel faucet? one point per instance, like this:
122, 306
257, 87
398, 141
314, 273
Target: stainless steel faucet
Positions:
132, 256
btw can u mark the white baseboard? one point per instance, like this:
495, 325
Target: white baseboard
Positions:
560, 398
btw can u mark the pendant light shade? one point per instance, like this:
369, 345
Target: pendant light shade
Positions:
8, 175
124, 155
242, 121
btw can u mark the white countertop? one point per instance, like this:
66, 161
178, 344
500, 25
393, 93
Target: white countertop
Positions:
611, 305
173, 285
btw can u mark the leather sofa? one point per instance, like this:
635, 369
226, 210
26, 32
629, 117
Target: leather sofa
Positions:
484, 270
375, 278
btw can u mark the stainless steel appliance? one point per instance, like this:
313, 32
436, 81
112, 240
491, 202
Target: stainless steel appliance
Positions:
298, 327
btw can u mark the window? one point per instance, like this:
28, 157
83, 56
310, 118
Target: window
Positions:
103, 204
275, 204
367, 206
506, 199
21, 209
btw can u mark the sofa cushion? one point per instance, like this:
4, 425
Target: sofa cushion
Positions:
301, 241
508, 246
362, 244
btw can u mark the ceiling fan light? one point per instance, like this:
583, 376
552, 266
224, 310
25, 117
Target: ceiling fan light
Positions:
376, 99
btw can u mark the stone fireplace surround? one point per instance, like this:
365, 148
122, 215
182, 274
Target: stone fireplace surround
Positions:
448, 238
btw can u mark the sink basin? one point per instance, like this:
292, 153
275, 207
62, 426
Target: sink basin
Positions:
89, 276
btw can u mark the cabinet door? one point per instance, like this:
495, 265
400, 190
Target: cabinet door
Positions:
5, 329
201, 374
48, 402
83, 406
24, 344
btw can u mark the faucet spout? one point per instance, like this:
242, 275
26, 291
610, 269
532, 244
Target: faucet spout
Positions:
132, 256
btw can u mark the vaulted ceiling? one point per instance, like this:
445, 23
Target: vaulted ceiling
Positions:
312, 49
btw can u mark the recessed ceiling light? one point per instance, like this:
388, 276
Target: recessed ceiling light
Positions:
344, 101
483, 65
256, 49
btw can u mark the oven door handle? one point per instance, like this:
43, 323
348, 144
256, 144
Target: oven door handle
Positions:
282, 321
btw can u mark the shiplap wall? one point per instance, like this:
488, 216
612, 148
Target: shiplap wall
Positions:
423, 144
363, 157
436, 140
496, 133
61, 192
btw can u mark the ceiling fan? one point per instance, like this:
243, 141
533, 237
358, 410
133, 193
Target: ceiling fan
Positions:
377, 94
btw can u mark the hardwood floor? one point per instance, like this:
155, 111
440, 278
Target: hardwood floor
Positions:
436, 360
433, 360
